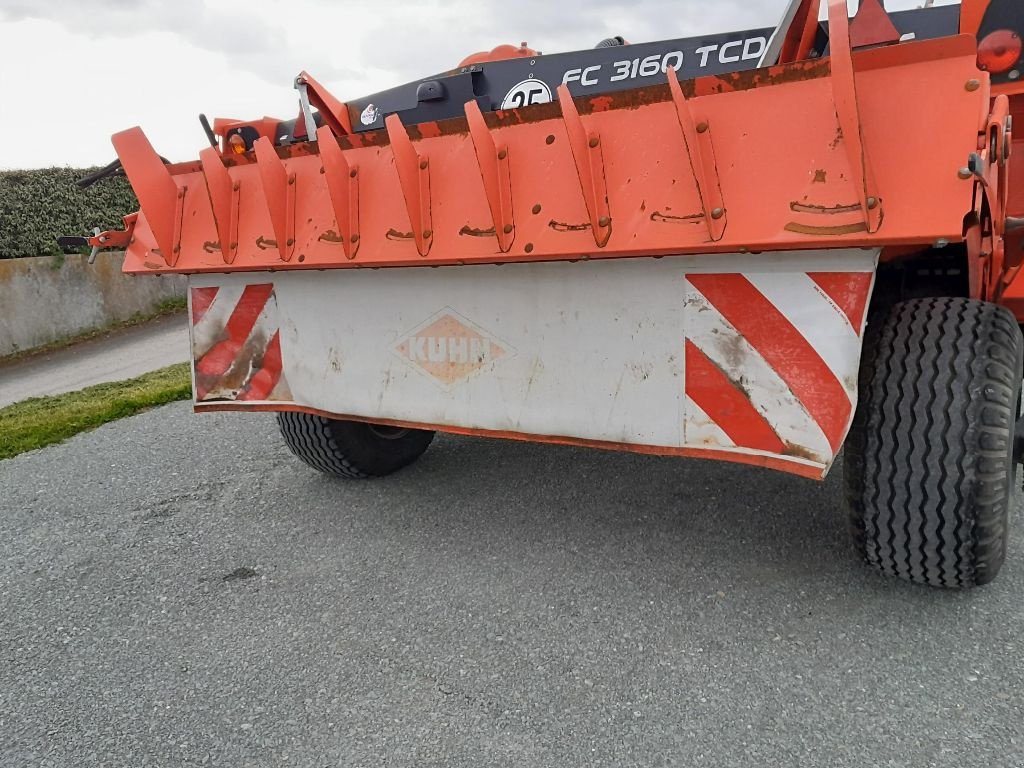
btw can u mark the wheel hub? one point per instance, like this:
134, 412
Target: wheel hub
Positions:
388, 433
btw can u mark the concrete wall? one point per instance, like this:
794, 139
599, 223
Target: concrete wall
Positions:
48, 298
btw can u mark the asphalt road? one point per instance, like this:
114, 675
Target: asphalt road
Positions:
176, 590
115, 356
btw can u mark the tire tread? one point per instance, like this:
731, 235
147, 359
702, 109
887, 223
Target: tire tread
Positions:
348, 449
928, 464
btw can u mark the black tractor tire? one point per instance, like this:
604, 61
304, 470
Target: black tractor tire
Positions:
930, 460
351, 449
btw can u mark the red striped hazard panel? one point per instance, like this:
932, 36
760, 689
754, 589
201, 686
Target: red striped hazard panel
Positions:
236, 344
771, 361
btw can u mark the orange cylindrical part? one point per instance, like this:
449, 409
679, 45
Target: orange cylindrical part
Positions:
499, 53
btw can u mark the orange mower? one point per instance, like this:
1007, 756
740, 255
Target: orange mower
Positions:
755, 247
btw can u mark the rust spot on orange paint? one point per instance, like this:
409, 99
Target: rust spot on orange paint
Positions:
394, 234
845, 229
667, 218
534, 114
631, 99
330, 236
473, 232
559, 226
367, 139
822, 209
779, 75
426, 130
300, 148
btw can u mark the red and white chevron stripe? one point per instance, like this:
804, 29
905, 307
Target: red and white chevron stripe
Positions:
772, 360
236, 343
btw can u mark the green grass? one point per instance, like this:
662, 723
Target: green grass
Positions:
42, 421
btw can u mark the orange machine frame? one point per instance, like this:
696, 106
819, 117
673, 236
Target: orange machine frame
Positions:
585, 178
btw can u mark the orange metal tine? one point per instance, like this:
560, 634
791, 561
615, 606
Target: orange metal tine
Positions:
586, 152
494, 169
224, 198
335, 113
844, 89
279, 193
154, 187
343, 188
414, 176
697, 141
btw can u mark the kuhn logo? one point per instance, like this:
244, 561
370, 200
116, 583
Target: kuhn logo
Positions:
449, 348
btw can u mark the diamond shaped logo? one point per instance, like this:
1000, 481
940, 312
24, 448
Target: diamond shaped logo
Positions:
449, 348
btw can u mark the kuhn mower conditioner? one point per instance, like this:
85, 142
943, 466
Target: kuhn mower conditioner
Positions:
757, 247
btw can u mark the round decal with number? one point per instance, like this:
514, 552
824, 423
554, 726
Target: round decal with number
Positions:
370, 115
526, 93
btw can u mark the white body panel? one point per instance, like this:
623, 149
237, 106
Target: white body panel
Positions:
594, 351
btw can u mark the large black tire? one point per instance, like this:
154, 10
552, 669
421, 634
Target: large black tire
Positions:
929, 463
351, 449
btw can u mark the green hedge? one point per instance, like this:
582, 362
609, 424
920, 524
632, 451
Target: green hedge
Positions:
38, 206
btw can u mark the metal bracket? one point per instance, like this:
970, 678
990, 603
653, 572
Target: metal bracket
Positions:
987, 235
586, 152
279, 193
333, 112
343, 186
701, 154
224, 199
414, 177
97, 235
100, 240
794, 35
844, 93
493, 162
872, 26
154, 187
307, 111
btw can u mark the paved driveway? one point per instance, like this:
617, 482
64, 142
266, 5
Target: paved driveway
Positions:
176, 590
119, 355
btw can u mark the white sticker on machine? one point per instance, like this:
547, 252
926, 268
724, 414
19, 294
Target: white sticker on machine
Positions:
527, 93
370, 115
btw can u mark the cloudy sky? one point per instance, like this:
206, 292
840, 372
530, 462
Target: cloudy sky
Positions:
72, 72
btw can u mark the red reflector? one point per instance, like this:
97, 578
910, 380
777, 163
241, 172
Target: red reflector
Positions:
999, 51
